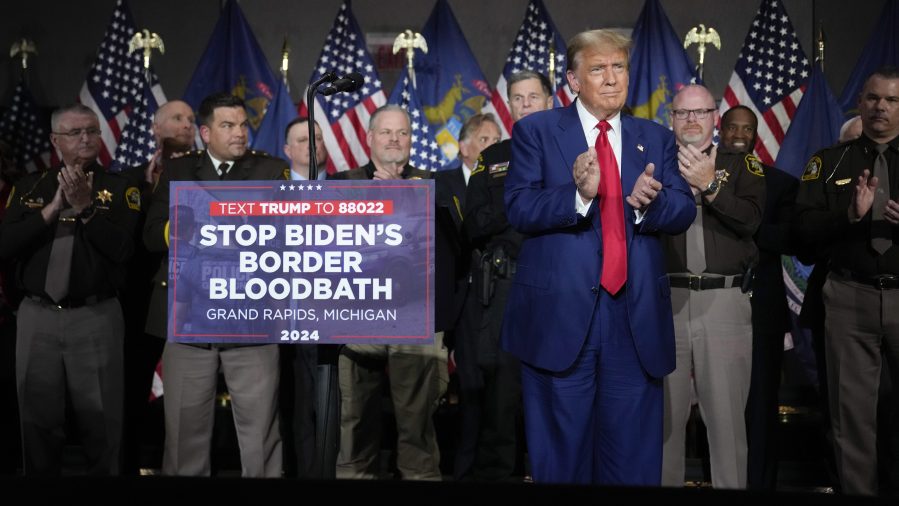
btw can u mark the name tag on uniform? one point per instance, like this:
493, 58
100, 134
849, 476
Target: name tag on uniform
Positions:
498, 169
842, 182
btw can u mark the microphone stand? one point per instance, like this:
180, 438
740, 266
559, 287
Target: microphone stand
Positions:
328, 77
326, 393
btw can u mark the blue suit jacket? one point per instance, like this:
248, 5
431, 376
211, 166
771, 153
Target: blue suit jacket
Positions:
556, 286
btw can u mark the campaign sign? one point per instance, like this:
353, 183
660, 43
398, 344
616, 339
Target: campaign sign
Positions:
301, 262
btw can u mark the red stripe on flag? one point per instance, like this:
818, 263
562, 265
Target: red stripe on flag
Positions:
344, 146
789, 107
730, 98
502, 110
358, 127
563, 96
762, 152
774, 124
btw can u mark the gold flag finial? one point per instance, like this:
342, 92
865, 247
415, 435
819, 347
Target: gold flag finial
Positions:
700, 36
23, 48
285, 58
148, 42
410, 41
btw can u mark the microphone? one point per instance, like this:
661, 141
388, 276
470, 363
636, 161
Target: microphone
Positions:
327, 77
350, 82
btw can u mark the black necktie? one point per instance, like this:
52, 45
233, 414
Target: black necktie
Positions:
59, 267
881, 230
223, 170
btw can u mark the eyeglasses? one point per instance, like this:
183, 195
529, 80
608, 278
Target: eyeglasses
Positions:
78, 132
685, 113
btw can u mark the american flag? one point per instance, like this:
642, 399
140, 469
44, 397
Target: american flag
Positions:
531, 52
137, 144
344, 116
27, 131
114, 82
770, 76
425, 153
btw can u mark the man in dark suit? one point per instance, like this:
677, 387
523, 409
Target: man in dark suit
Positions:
589, 313
191, 370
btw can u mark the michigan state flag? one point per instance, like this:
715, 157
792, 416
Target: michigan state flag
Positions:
233, 62
815, 125
448, 80
659, 65
281, 111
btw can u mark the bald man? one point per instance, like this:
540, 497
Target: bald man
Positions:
174, 129
709, 270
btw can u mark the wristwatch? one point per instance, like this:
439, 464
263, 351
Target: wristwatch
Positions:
87, 212
712, 188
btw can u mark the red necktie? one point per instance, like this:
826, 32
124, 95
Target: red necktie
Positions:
611, 214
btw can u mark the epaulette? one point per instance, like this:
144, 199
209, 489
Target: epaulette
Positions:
839, 145
259, 152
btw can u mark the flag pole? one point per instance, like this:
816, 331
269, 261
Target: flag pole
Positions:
285, 59
552, 65
819, 55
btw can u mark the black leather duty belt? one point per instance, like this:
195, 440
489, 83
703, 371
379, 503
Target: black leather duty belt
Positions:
69, 303
694, 282
880, 282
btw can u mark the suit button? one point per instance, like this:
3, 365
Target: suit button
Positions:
594, 289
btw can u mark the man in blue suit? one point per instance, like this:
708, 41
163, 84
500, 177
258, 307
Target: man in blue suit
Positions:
589, 314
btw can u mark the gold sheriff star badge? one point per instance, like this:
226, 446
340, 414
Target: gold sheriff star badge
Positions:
104, 196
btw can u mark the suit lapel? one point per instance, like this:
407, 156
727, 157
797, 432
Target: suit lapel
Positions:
204, 171
570, 136
458, 185
633, 161
241, 169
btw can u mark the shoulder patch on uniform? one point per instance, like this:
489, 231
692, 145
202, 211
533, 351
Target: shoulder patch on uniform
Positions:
812, 169
132, 198
286, 174
498, 169
754, 166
